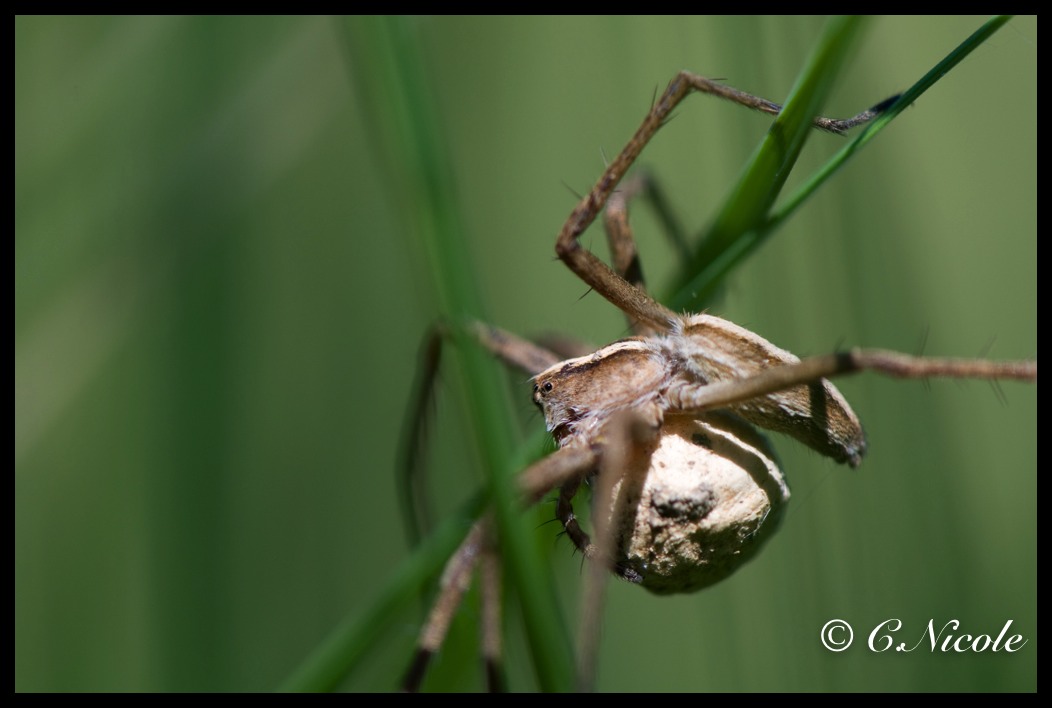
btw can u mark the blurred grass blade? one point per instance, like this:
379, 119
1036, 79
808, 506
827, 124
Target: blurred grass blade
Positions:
389, 74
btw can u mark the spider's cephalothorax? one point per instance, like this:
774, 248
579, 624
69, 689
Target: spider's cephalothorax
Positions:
652, 375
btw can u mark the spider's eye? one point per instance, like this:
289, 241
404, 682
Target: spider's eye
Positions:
548, 387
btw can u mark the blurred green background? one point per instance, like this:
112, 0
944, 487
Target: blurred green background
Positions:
218, 308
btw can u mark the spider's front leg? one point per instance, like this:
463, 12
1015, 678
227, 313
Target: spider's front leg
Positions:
633, 301
624, 444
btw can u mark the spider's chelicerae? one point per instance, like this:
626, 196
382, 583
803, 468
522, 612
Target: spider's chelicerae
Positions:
661, 423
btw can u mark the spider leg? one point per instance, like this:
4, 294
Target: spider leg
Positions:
702, 397
512, 349
492, 643
615, 495
565, 514
624, 255
631, 300
534, 483
620, 437
614, 500
456, 578
410, 462
516, 352
509, 348
721, 364
478, 548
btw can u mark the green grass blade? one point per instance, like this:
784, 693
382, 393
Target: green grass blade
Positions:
873, 129
343, 650
389, 72
738, 232
747, 206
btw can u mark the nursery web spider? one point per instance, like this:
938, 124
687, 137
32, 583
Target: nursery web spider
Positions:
661, 422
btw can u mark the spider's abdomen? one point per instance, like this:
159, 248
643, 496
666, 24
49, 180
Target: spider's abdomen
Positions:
708, 349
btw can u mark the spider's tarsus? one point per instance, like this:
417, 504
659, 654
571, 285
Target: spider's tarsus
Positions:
629, 574
494, 678
885, 104
415, 675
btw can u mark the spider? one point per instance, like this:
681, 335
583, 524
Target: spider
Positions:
661, 423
